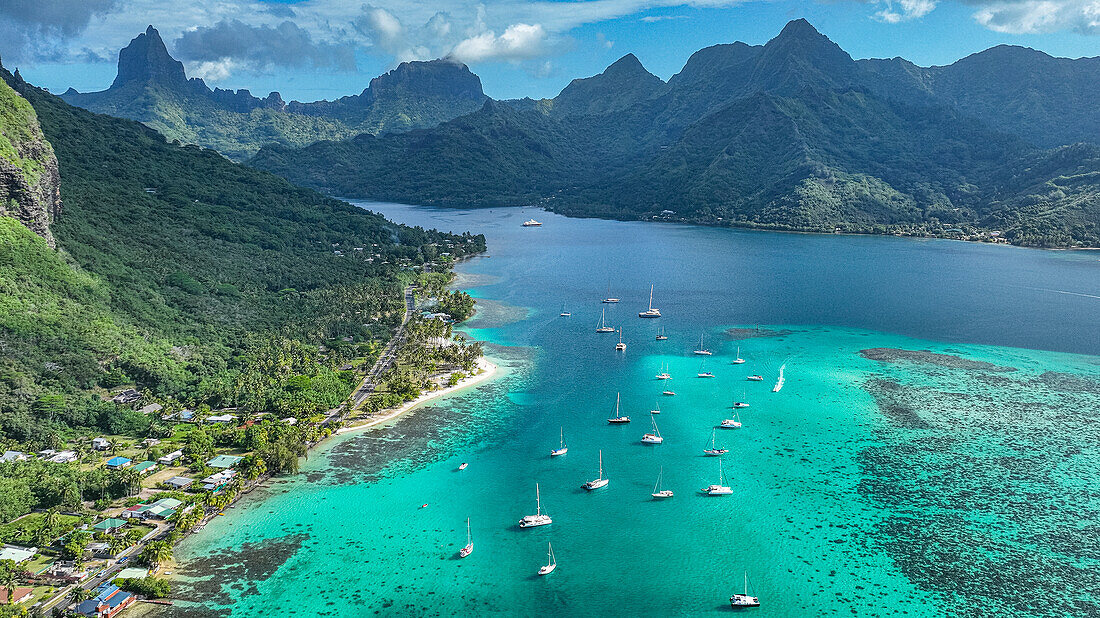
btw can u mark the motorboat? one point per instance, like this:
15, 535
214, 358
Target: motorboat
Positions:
531, 223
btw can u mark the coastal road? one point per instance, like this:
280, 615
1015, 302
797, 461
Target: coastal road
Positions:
385, 359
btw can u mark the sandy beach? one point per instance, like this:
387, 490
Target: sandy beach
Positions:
486, 370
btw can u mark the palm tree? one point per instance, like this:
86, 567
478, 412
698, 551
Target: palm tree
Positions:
80, 594
8, 580
116, 544
157, 553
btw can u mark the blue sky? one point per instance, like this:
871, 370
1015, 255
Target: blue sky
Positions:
315, 49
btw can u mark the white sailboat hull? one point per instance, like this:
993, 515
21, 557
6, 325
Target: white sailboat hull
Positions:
652, 439
559, 451
531, 521
661, 495
548, 569
466, 551
595, 484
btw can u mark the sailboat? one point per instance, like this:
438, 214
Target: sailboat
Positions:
668, 393
703, 373
651, 312
597, 482
718, 489
655, 437
657, 408
664, 375
702, 351
742, 403
551, 561
779, 382
744, 600
714, 451
659, 492
620, 346
661, 336
732, 423
564, 313
609, 299
469, 549
539, 518
755, 378
602, 327
617, 419
563, 449
738, 360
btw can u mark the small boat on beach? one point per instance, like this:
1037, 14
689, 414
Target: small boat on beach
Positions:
702, 351
618, 419
659, 492
714, 451
563, 449
718, 489
539, 518
531, 223
602, 326
655, 437
551, 561
469, 549
652, 312
744, 600
599, 481
738, 360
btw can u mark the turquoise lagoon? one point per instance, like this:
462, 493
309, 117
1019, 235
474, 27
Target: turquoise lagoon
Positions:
933, 451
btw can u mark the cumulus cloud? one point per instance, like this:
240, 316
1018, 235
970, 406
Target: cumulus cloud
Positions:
232, 43
517, 42
1033, 16
905, 10
37, 29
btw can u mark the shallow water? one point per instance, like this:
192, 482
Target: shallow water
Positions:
881, 480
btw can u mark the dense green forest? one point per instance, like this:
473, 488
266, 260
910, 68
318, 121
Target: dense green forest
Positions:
792, 135
194, 279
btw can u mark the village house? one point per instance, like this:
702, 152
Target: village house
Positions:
63, 457
19, 595
151, 408
170, 458
118, 463
109, 526
101, 444
179, 482
145, 467
224, 461
217, 480
127, 396
107, 603
221, 418
17, 554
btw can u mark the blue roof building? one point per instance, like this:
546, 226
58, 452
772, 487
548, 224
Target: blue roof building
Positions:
108, 602
116, 463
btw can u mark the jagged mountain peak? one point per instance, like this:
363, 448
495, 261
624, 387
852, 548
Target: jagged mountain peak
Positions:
146, 59
623, 83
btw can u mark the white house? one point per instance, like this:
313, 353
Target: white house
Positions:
64, 457
170, 458
101, 444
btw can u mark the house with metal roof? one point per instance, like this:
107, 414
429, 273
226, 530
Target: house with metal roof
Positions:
118, 463
224, 461
107, 603
145, 467
17, 554
170, 458
109, 526
101, 444
179, 482
153, 407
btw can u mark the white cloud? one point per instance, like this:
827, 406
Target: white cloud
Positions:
213, 70
905, 10
1032, 16
517, 42
649, 19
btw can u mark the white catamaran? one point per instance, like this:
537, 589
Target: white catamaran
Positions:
732, 423
562, 449
717, 489
539, 518
714, 451
620, 346
597, 482
652, 312
738, 360
744, 600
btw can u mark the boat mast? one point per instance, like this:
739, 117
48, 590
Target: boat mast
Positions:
601, 464
538, 500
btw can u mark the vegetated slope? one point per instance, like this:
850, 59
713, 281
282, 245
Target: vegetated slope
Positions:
29, 183
230, 275
152, 87
793, 134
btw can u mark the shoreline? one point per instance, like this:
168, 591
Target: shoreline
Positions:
487, 370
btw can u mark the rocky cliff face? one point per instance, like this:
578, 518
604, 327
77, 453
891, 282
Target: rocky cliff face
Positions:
30, 184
